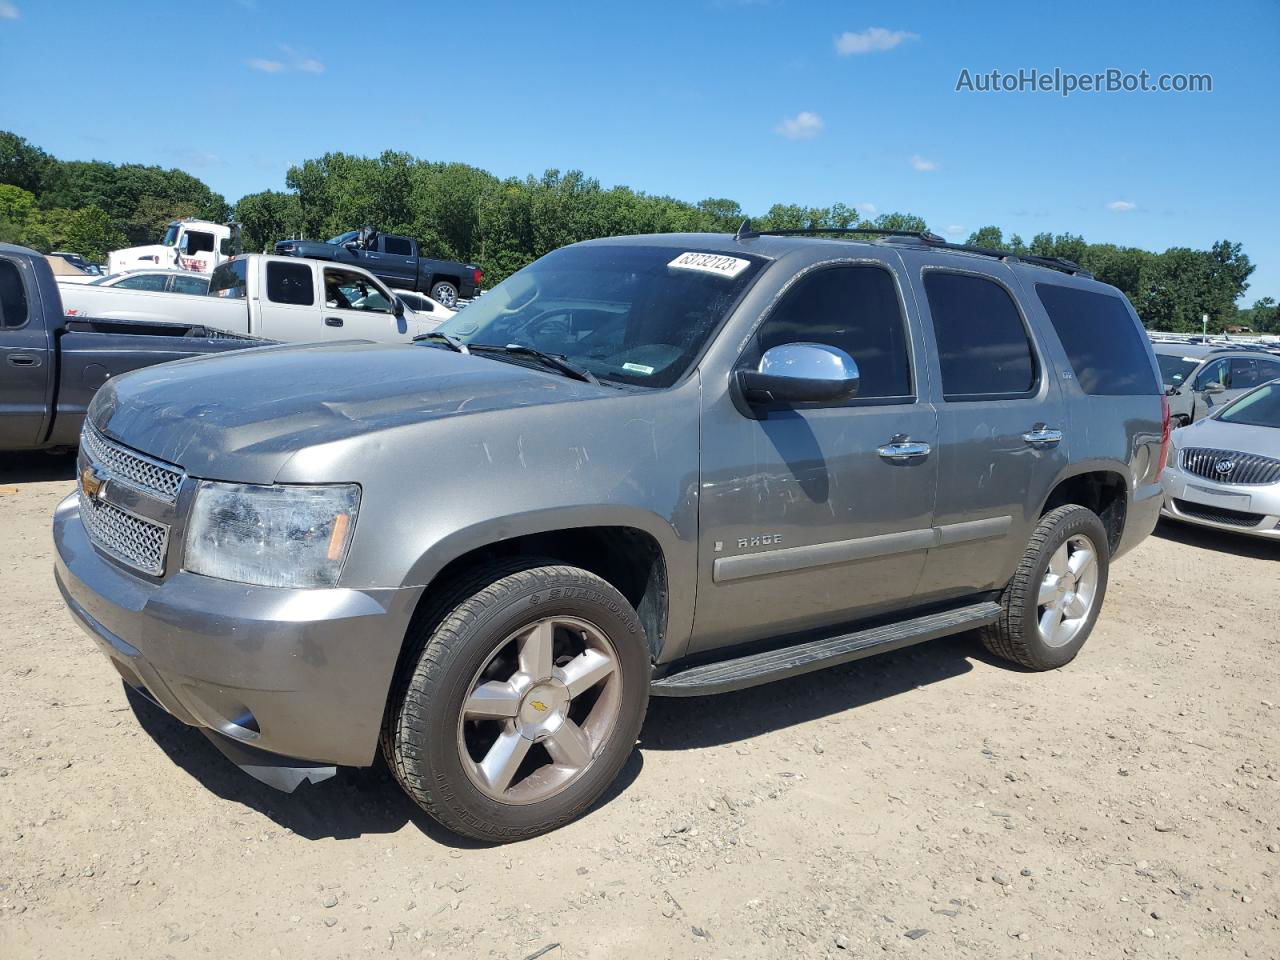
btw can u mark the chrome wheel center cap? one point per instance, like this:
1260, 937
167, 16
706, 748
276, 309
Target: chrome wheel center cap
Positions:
542, 709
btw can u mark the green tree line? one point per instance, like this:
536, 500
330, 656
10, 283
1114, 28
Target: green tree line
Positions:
460, 212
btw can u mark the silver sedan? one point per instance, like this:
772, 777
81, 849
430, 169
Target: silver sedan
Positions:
1224, 471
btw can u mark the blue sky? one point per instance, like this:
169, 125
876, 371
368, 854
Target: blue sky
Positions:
757, 100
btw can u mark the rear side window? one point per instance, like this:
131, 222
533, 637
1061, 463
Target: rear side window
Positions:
146, 281
983, 347
194, 285
1103, 344
397, 246
13, 296
1248, 372
230, 280
290, 283
856, 309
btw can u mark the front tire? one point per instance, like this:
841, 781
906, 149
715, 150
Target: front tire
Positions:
445, 294
1053, 600
524, 704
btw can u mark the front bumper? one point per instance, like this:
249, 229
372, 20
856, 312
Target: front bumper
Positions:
270, 673
1247, 509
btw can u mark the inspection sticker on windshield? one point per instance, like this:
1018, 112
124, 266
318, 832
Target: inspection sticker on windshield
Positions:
637, 368
716, 263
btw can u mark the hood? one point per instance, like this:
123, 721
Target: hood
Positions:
1237, 437
241, 415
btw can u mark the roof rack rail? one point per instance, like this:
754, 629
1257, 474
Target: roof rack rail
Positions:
745, 232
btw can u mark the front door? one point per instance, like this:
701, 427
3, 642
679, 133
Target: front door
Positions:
806, 519
355, 307
25, 361
1001, 423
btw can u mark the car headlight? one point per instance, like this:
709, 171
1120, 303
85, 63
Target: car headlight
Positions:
276, 536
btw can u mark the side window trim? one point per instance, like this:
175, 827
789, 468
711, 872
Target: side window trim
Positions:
904, 315
1037, 355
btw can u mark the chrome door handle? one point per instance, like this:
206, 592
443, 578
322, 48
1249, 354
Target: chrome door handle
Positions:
900, 449
1042, 436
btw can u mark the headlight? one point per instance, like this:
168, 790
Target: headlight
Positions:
276, 536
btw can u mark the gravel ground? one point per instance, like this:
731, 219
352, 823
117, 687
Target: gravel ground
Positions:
928, 803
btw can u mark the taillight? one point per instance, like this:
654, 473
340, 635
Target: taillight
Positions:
478, 276
1164, 436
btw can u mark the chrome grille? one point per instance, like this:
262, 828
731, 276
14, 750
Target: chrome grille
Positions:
155, 478
1247, 469
132, 540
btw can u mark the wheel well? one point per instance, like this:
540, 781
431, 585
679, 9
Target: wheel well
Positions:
1103, 492
630, 559
441, 278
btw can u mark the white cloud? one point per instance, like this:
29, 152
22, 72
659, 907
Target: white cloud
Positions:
867, 208
293, 62
803, 126
8, 11
924, 166
1121, 206
871, 40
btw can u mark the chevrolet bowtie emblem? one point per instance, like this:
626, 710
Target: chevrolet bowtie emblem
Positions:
538, 705
92, 480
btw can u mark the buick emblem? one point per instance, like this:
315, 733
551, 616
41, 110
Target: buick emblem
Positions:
1224, 466
92, 480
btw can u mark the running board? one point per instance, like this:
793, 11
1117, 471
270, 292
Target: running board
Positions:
722, 676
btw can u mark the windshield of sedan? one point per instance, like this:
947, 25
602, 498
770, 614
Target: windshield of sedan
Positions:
1258, 409
342, 238
1175, 370
628, 314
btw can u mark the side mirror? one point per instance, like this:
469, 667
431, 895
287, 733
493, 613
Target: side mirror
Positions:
800, 373
397, 306
1215, 387
1171, 390
352, 246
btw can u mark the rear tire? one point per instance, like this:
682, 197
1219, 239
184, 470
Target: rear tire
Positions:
1053, 600
524, 703
445, 294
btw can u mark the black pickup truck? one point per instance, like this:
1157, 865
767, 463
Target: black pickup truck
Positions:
52, 365
394, 260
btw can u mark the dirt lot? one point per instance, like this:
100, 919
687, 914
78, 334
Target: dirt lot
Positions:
930, 803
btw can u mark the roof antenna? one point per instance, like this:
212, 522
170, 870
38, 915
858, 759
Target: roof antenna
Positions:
745, 232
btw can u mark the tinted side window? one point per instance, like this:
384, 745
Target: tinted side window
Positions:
1107, 353
195, 285
1216, 372
230, 280
856, 309
13, 296
148, 281
983, 346
290, 283
397, 246
199, 242
1268, 370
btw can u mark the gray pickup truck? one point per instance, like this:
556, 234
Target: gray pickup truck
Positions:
53, 364
665, 465
394, 260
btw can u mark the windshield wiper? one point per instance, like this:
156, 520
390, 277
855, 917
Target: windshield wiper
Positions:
453, 343
554, 360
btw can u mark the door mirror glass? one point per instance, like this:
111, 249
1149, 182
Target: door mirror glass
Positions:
801, 373
184, 243
1215, 387
397, 306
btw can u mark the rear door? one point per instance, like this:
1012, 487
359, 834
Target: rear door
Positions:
399, 266
1001, 423
27, 358
288, 306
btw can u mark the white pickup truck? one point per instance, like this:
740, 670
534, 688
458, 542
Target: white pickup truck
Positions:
278, 298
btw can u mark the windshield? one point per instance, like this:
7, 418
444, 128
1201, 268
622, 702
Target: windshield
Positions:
1175, 370
628, 314
1261, 408
342, 238
171, 235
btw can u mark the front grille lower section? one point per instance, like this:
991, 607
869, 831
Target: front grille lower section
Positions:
1246, 469
130, 539
155, 478
1231, 518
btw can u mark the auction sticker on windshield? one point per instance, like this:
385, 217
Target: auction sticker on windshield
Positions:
716, 263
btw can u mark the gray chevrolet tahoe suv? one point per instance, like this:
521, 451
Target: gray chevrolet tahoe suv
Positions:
657, 466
